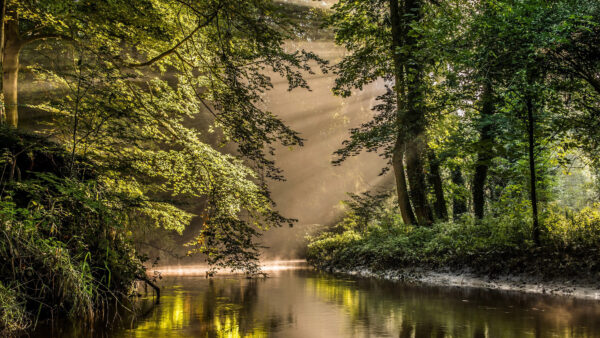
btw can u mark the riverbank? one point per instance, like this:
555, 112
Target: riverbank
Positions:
576, 288
65, 251
493, 253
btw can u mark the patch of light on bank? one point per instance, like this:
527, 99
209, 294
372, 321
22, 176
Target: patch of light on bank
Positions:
202, 270
311, 3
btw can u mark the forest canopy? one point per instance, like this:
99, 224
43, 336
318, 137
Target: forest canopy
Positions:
489, 124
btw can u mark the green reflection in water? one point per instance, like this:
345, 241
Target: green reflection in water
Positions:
203, 309
398, 310
303, 303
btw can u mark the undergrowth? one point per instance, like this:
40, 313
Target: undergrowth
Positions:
497, 244
63, 244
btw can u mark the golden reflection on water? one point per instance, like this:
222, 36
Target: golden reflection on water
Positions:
216, 309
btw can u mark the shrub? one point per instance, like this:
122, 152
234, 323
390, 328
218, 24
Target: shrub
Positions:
496, 244
13, 317
64, 247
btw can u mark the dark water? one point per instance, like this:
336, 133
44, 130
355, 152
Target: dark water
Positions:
304, 303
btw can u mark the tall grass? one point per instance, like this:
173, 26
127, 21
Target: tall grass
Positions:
64, 245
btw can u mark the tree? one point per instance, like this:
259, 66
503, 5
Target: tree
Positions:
14, 38
384, 40
485, 150
523, 79
129, 76
435, 179
477, 64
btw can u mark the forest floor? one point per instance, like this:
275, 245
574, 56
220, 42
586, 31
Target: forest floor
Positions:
577, 288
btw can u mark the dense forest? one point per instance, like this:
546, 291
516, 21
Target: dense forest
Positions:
490, 125
125, 121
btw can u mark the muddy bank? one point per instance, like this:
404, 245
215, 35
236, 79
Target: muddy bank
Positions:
577, 288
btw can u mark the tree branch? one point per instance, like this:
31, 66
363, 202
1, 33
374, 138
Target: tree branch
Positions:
174, 48
33, 38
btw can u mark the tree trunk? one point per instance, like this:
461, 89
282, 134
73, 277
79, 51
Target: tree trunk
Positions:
416, 181
408, 217
414, 119
459, 205
398, 157
2, 19
484, 151
409, 90
10, 69
532, 171
435, 180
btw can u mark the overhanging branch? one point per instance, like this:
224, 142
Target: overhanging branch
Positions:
38, 37
171, 50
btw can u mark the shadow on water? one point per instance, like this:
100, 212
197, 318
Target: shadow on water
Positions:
304, 303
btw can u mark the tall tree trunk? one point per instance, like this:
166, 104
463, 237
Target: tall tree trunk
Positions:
484, 151
459, 204
408, 217
416, 181
10, 68
415, 114
532, 171
2, 19
409, 78
435, 180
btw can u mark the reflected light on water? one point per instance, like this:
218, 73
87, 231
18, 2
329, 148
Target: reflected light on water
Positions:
301, 303
202, 270
304, 303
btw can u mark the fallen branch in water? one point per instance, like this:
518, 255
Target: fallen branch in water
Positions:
152, 285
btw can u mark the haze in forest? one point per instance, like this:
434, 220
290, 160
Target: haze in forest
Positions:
314, 187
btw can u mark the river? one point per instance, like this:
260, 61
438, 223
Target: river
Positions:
297, 302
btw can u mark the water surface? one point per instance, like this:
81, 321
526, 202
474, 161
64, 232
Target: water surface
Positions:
304, 303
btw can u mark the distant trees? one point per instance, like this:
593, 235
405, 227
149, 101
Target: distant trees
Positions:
506, 69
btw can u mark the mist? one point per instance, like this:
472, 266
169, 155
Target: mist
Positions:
314, 187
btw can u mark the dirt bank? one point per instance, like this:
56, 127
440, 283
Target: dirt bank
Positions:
587, 289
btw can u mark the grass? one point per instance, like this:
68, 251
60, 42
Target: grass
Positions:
13, 317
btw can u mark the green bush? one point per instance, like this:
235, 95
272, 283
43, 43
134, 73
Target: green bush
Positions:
573, 229
495, 245
63, 244
13, 317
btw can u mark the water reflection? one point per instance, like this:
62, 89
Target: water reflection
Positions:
197, 307
304, 303
385, 309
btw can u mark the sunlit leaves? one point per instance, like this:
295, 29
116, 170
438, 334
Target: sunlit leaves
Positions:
133, 76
